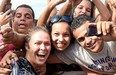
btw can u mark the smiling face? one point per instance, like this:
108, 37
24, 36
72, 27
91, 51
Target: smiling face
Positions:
94, 45
61, 35
38, 48
23, 20
83, 8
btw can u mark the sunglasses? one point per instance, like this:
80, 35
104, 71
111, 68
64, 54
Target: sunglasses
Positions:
57, 18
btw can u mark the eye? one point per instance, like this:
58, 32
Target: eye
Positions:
81, 39
18, 15
37, 43
47, 44
80, 7
56, 34
66, 34
88, 10
28, 16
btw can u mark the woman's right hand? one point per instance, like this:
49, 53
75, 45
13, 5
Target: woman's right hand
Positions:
6, 60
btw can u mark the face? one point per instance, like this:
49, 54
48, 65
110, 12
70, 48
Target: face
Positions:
23, 20
83, 8
89, 43
38, 48
61, 35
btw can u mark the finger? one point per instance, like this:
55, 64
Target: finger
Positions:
99, 30
4, 71
108, 27
1, 13
7, 12
5, 28
6, 40
104, 32
92, 24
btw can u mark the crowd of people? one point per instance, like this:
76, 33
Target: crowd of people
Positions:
81, 33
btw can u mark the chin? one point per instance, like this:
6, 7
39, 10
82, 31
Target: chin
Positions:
60, 49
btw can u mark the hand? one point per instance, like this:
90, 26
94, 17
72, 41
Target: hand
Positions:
74, 2
56, 2
3, 48
5, 17
111, 4
6, 62
4, 71
7, 34
105, 27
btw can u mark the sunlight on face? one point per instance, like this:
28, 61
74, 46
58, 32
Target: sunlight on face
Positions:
61, 35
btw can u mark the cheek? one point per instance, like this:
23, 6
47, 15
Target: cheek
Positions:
88, 13
68, 39
54, 38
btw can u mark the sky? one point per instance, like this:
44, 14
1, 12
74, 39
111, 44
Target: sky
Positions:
37, 5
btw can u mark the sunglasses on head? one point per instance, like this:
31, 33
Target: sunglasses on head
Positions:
57, 18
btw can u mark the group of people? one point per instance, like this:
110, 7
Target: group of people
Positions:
59, 36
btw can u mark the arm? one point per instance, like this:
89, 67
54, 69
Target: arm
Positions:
111, 4
107, 29
53, 59
68, 7
89, 72
53, 12
105, 14
46, 13
10, 36
3, 4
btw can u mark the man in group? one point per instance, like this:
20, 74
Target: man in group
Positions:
92, 52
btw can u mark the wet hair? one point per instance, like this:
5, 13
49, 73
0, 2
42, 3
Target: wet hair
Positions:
33, 30
80, 20
25, 6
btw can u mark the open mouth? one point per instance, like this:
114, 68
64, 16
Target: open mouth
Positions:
42, 53
92, 45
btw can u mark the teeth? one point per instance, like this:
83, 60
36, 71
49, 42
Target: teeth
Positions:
60, 45
42, 52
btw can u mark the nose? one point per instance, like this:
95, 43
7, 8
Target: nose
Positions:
22, 18
88, 40
42, 47
83, 10
61, 38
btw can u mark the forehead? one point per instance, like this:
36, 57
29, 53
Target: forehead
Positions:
40, 35
61, 26
24, 10
81, 30
86, 3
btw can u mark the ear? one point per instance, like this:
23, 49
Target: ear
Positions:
27, 46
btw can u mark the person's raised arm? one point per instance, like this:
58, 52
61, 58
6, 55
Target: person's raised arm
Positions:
107, 29
10, 36
4, 4
68, 7
104, 12
48, 9
111, 5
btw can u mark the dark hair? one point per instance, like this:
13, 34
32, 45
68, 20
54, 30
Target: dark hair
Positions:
78, 21
92, 9
25, 6
58, 18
